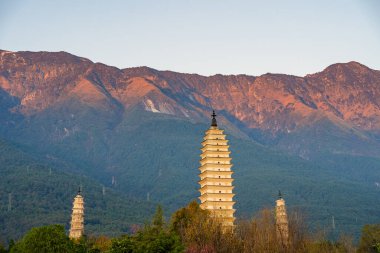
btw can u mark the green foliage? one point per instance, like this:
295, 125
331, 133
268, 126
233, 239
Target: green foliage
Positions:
48, 239
377, 247
98, 244
370, 239
192, 230
148, 241
153, 238
125, 244
158, 219
89, 245
53, 239
2, 249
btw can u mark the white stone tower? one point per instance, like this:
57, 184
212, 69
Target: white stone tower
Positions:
216, 176
282, 227
77, 217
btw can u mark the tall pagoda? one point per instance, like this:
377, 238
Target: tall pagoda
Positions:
216, 176
282, 228
77, 217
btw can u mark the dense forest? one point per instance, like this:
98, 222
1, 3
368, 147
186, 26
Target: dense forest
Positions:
151, 158
37, 188
193, 230
33, 194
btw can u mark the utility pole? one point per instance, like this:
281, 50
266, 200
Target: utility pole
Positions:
333, 222
9, 201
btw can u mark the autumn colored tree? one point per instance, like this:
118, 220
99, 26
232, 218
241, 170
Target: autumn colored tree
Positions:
370, 239
259, 234
200, 232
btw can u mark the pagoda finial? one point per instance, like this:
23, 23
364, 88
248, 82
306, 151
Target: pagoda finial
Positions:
279, 194
213, 121
80, 190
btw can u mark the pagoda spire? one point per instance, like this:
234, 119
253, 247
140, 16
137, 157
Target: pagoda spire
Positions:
77, 217
213, 121
282, 228
216, 176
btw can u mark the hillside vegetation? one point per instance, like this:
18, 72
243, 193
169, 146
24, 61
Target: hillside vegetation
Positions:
42, 195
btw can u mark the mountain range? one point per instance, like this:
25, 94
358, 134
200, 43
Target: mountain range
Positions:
138, 131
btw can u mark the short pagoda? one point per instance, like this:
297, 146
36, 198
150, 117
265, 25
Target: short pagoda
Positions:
216, 176
77, 217
282, 228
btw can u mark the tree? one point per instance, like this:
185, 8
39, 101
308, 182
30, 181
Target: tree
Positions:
200, 232
2, 249
153, 238
45, 240
125, 244
102, 243
370, 239
185, 217
377, 247
85, 245
259, 234
158, 219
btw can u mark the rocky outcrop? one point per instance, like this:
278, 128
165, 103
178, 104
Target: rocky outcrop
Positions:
345, 93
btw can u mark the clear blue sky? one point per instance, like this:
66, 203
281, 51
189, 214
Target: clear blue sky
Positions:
205, 36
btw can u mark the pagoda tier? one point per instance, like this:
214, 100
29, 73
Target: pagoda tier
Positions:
215, 173
216, 176
216, 160
216, 181
216, 189
77, 218
212, 154
218, 197
215, 166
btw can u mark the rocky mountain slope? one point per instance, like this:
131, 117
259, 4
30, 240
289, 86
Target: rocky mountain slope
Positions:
271, 108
